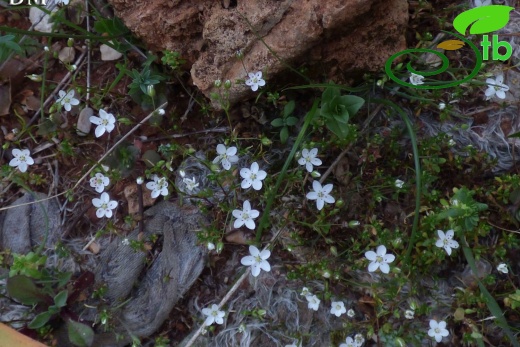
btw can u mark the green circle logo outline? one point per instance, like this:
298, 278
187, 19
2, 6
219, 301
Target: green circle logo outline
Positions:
445, 62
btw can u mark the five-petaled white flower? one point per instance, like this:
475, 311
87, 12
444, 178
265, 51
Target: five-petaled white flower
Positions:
437, 330
214, 315
446, 241
226, 156
252, 177
255, 80
321, 194
338, 308
305, 291
359, 340
105, 122
67, 99
496, 87
104, 205
245, 216
416, 79
502, 268
22, 159
257, 260
309, 159
314, 302
409, 314
399, 184
190, 183
349, 342
379, 260
99, 182
159, 186
351, 313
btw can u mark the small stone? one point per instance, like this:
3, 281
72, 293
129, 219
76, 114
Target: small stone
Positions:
67, 55
94, 247
83, 126
108, 53
484, 269
239, 237
40, 19
130, 193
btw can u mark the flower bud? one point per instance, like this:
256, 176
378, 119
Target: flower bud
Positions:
217, 83
150, 90
315, 174
227, 84
35, 78
70, 42
220, 247
266, 141
211, 246
139, 180
353, 223
239, 54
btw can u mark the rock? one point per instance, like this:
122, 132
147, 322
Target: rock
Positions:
83, 126
108, 53
130, 193
484, 269
337, 37
40, 19
66, 55
25, 227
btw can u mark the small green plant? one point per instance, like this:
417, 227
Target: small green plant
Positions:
286, 121
172, 60
336, 110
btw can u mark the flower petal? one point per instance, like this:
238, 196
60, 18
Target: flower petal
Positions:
373, 266
371, 255
254, 251
221, 149
255, 270
381, 250
100, 130
248, 260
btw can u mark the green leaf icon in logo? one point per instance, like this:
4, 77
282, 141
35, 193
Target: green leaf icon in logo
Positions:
483, 19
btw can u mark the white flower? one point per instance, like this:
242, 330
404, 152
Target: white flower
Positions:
67, 100
438, 330
125, 241
214, 315
104, 205
257, 260
105, 122
442, 106
305, 291
479, 3
252, 177
451, 143
399, 184
496, 87
245, 216
314, 302
309, 159
379, 259
502, 268
211, 246
359, 340
226, 156
446, 241
321, 194
160, 112
338, 308
159, 186
409, 314
349, 342
351, 313
190, 183
22, 159
255, 80
139, 180
416, 79
46, 48
99, 182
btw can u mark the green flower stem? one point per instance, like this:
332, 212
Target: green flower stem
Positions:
272, 193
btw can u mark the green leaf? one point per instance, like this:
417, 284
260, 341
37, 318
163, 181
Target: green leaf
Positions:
60, 299
288, 109
483, 19
278, 122
291, 121
515, 134
339, 129
80, 334
23, 289
114, 27
352, 103
40, 320
284, 134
